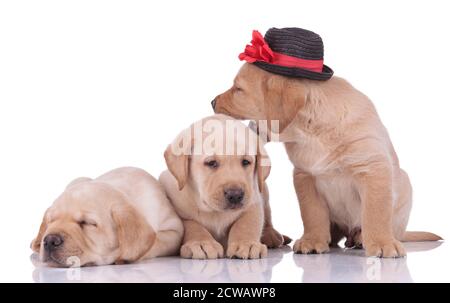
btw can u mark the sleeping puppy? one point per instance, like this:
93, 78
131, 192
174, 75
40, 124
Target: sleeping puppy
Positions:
122, 216
216, 182
347, 175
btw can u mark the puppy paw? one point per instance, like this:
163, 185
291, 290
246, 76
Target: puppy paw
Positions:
201, 250
388, 248
246, 250
311, 246
271, 238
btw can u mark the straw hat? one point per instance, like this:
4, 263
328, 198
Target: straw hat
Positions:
292, 52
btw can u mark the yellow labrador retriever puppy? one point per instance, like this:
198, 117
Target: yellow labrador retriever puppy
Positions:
347, 175
216, 183
121, 216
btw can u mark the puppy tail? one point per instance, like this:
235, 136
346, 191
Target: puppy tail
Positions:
420, 236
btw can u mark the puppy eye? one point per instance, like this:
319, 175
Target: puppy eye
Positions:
84, 223
237, 89
212, 164
245, 162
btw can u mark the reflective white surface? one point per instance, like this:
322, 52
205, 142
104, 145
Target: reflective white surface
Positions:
426, 262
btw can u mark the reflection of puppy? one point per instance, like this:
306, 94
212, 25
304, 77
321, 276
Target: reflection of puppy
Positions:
256, 271
347, 175
231, 270
219, 193
122, 216
156, 270
167, 270
350, 266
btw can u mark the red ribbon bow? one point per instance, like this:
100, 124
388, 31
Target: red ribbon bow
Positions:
259, 50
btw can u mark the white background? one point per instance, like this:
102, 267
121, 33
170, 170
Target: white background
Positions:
87, 86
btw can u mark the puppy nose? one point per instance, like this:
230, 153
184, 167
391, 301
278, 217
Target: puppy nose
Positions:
213, 103
234, 195
52, 241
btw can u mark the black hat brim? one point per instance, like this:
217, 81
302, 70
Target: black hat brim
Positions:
295, 72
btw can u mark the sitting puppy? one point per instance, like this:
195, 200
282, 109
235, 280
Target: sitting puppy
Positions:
346, 172
216, 183
122, 216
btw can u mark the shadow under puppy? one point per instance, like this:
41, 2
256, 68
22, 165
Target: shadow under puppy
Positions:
122, 216
216, 182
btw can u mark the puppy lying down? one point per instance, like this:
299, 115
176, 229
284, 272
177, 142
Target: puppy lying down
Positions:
122, 216
216, 182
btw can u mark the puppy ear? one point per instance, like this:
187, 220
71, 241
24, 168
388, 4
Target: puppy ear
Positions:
262, 166
36, 243
178, 166
282, 99
177, 158
134, 234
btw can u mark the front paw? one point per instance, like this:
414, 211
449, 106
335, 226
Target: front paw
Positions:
201, 250
246, 250
384, 248
311, 245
